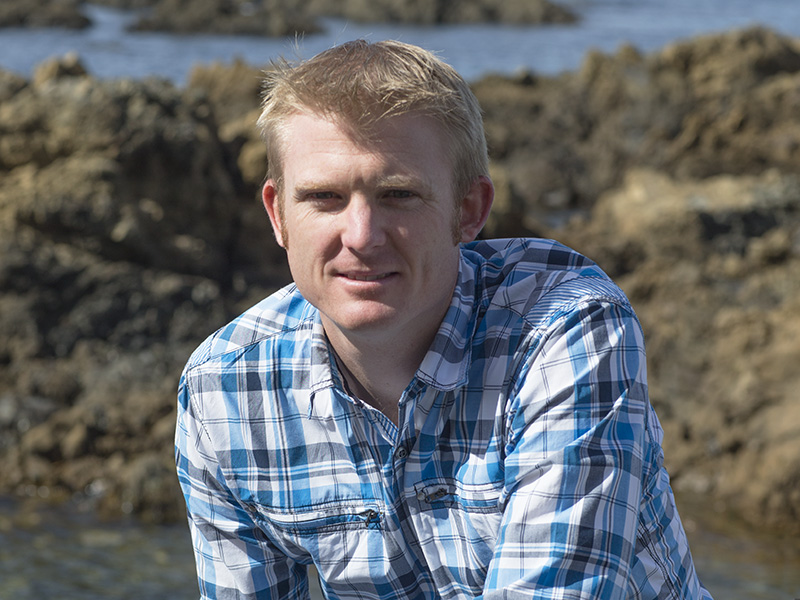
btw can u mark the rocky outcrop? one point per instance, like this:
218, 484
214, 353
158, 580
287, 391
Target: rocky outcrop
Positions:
120, 241
437, 12
270, 17
130, 228
235, 92
714, 105
712, 267
283, 17
42, 13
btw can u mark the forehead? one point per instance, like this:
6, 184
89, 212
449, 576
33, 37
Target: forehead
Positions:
412, 143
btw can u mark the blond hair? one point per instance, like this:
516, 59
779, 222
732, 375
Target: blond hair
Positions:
360, 83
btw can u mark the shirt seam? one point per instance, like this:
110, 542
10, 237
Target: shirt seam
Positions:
243, 347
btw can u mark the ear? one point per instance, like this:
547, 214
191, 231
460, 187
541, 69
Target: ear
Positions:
475, 208
269, 196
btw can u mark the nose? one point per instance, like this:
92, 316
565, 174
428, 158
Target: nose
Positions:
362, 227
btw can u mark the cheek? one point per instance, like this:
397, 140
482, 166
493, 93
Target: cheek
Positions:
310, 249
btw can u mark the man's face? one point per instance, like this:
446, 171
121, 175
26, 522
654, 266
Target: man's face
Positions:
371, 229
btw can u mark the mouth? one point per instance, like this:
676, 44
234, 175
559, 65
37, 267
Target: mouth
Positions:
358, 277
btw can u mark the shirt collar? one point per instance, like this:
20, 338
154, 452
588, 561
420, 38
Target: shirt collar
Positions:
446, 363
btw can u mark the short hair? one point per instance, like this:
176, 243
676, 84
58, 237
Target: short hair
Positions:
362, 83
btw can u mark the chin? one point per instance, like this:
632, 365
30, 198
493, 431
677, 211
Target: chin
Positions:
363, 318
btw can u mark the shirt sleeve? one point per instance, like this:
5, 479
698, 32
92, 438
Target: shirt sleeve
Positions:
234, 557
575, 460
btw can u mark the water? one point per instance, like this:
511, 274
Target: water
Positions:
109, 51
66, 554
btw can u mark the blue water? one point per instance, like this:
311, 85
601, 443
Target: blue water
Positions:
61, 553
108, 50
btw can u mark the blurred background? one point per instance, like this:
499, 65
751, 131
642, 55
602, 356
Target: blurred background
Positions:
661, 138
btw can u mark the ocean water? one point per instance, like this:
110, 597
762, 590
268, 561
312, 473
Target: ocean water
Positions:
109, 51
61, 553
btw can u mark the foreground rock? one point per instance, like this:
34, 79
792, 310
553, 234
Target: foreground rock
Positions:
130, 229
121, 220
713, 270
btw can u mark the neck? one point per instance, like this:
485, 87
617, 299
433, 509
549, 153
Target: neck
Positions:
378, 372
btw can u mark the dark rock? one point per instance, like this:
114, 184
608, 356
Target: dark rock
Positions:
714, 105
285, 17
269, 17
121, 246
436, 12
42, 13
126, 4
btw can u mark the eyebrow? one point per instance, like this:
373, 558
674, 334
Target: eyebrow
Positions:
388, 182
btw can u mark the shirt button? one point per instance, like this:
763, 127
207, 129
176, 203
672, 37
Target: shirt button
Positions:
401, 452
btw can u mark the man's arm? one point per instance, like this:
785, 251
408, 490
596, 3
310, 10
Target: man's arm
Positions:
235, 559
582, 461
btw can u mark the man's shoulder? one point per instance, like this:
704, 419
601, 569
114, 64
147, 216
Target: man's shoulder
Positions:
282, 312
536, 277
530, 254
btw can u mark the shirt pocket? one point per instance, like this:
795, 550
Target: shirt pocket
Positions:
345, 542
457, 525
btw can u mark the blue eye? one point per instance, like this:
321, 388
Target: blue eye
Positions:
322, 196
400, 194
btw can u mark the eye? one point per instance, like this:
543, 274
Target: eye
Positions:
321, 196
323, 199
400, 194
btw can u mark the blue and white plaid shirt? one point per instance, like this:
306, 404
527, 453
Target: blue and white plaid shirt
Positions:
527, 462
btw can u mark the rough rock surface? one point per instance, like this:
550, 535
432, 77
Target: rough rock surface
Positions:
121, 244
283, 17
42, 13
712, 267
437, 12
130, 229
269, 17
714, 105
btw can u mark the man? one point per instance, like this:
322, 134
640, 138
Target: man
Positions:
419, 415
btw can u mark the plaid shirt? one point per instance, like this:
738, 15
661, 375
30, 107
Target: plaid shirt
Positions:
527, 461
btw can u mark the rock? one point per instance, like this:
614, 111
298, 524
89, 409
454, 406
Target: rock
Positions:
42, 13
10, 84
713, 271
436, 12
719, 104
76, 442
122, 245
284, 17
69, 65
126, 4
235, 92
229, 17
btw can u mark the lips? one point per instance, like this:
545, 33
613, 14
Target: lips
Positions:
360, 277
